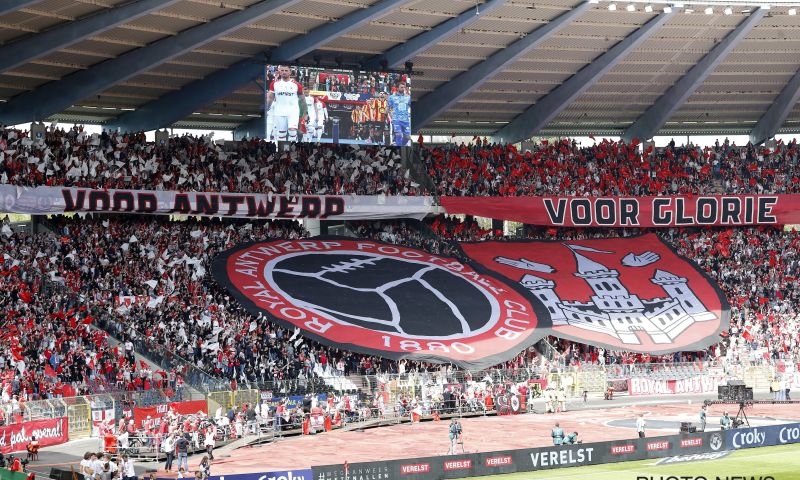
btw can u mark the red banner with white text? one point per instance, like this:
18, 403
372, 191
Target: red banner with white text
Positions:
694, 385
157, 412
646, 212
14, 438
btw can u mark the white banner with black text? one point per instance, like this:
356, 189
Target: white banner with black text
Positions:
54, 200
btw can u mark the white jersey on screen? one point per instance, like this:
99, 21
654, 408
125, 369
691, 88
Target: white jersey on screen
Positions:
316, 117
322, 111
270, 125
286, 107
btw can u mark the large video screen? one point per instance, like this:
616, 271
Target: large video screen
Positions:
309, 104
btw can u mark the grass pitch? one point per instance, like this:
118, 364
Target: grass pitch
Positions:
766, 463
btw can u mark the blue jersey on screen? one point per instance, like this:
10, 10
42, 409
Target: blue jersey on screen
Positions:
401, 107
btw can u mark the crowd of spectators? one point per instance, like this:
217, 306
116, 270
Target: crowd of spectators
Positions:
151, 275
611, 168
48, 345
186, 163
365, 83
75, 158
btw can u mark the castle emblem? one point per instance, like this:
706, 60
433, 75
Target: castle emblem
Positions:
612, 309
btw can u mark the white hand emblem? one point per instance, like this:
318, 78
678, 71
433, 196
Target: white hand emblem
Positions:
525, 264
646, 258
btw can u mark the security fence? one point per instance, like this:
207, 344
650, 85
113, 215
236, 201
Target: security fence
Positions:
232, 399
382, 396
82, 410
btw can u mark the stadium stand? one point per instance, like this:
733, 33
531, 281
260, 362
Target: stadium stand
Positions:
76, 159
611, 168
345, 258
198, 321
170, 297
48, 344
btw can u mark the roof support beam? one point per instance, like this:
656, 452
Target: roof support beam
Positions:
397, 56
657, 115
176, 105
777, 113
434, 103
60, 36
300, 45
56, 96
548, 107
8, 6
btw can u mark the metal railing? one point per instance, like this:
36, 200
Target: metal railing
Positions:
148, 448
78, 410
677, 370
391, 397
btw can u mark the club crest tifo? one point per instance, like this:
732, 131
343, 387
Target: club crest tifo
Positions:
613, 310
399, 302
378, 298
628, 293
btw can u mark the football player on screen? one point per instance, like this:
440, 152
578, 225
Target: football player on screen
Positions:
400, 113
285, 101
378, 108
316, 116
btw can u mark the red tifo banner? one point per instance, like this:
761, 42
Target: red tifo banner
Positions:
635, 294
646, 212
157, 412
14, 438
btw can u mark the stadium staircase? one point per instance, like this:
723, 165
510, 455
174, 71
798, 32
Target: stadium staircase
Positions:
758, 376
593, 382
363, 385
412, 160
192, 391
338, 383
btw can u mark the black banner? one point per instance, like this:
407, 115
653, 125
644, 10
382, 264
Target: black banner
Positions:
524, 460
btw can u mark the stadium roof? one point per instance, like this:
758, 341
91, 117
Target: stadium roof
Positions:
555, 67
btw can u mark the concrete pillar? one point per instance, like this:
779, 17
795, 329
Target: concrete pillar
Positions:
498, 225
313, 226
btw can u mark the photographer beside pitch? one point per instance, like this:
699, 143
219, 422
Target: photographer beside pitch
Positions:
725, 422
558, 434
